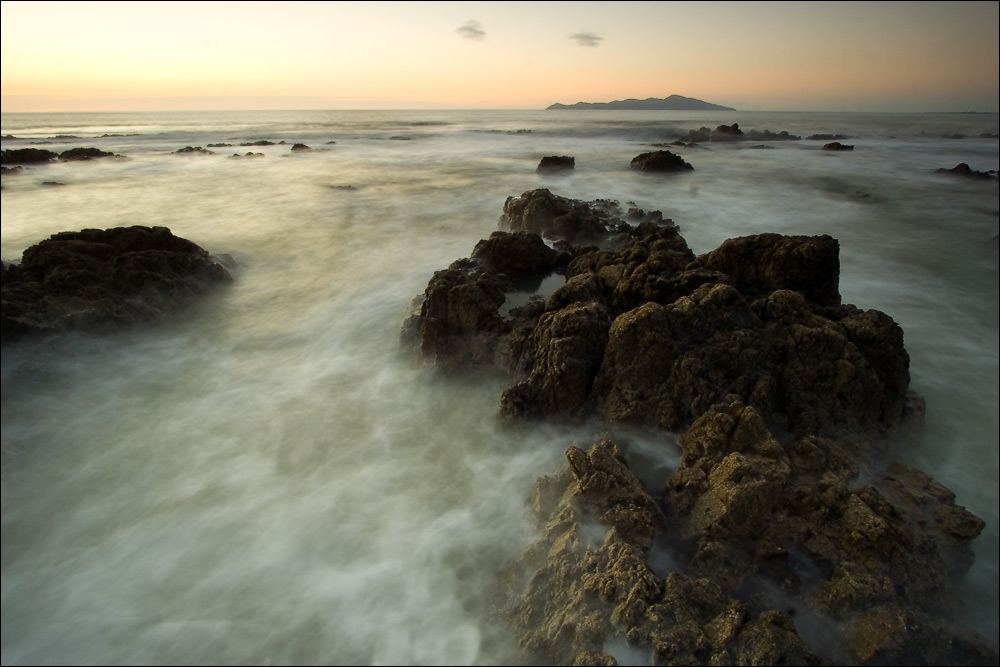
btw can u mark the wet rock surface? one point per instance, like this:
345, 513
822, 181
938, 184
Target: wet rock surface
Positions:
659, 161
785, 535
101, 280
556, 162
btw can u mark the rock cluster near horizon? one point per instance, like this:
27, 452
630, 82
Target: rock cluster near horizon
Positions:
102, 280
782, 396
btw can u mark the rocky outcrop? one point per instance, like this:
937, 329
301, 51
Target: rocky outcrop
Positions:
556, 162
782, 395
298, 148
554, 217
103, 280
964, 170
194, 150
26, 156
837, 146
75, 154
659, 161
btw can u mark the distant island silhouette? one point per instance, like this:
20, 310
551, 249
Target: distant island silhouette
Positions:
672, 103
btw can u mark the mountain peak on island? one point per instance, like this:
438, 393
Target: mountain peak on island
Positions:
672, 103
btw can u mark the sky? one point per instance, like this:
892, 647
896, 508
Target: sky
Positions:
759, 56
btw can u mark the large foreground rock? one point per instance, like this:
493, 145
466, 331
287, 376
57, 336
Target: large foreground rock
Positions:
643, 332
102, 280
786, 401
756, 534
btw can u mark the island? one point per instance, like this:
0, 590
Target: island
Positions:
672, 103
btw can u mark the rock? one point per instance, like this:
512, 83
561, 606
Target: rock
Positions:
782, 396
837, 146
768, 135
556, 162
760, 264
551, 216
261, 142
26, 155
659, 161
220, 145
103, 280
964, 170
194, 150
297, 148
588, 579
84, 154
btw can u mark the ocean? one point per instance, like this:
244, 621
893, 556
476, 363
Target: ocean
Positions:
267, 479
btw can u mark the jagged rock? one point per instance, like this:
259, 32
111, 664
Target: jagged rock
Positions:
588, 580
659, 161
551, 216
26, 155
521, 256
782, 396
964, 170
103, 280
761, 264
556, 162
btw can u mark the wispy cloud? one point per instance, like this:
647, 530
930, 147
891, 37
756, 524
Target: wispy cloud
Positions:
587, 39
472, 30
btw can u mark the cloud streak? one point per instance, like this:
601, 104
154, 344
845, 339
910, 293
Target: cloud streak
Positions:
472, 30
587, 39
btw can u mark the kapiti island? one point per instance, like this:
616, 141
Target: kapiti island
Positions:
672, 103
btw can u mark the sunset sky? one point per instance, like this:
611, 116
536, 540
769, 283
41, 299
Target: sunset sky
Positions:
809, 56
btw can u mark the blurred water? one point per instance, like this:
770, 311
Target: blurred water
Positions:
266, 480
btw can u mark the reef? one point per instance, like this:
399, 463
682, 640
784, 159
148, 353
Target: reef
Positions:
787, 534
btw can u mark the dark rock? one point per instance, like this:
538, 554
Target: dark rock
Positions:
659, 161
26, 155
966, 171
249, 154
782, 396
297, 148
556, 162
261, 142
51, 183
220, 145
768, 135
103, 280
84, 154
763, 263
837, 146
522, 256
551, 216
8, 137
194, 150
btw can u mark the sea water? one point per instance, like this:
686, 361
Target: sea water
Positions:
267, 479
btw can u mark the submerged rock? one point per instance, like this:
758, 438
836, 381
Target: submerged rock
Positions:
103, 280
